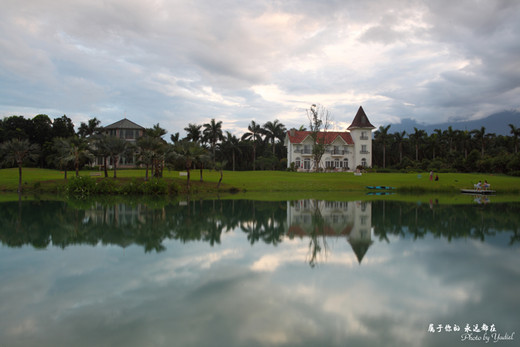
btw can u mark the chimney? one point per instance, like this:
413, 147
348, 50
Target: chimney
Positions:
292, 132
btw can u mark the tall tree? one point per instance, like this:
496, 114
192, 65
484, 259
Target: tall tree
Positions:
17, 152
187, 152
480, 136
273, 131
213, 133
193, 132
90, 128
117, 147
319, 122
417, 137
231, 143
62, 127
253, 134
76, 150
516, 133
399, 139
382, 136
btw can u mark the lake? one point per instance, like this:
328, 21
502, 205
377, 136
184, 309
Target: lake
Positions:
257, 273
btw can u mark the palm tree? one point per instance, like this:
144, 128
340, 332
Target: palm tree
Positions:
417, 138
187, 152
516, 133
193, 132
272, 131
232, 143
76, 150
450, 134
480, 136
382, 136
116, 147
213, 133
253, 135
148, 147
399, 139
17, 152
62, 157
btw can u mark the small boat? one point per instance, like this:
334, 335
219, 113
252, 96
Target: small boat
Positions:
380, 187
478, 191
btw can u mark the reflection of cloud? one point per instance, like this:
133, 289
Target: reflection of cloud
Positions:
236, 294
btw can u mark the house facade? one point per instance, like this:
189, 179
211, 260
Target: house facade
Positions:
349, 219
345, 151
126, 130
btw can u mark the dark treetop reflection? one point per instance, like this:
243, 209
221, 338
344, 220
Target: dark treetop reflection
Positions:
62, 224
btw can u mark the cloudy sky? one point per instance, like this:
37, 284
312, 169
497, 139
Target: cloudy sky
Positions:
178, 62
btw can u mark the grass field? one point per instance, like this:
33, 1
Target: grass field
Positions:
278, 181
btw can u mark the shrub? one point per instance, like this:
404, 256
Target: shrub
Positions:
106, 186
81, 186
155, 186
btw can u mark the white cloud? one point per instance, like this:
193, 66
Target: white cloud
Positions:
171, 61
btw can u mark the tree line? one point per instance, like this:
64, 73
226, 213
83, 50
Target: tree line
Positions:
447, 150
56, 144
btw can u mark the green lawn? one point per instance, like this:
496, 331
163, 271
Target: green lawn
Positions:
281, 181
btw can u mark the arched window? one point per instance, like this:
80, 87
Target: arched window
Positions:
297, 163
307, 164
345, 164
364, 162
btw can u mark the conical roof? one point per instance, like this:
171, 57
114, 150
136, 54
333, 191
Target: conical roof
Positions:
361, 120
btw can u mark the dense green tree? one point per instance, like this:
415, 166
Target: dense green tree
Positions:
382, 136
17, 152
62, 127
193, 132
213, 133
253, 134
90, 128
274, 131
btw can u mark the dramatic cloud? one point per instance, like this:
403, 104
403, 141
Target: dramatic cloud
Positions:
180, 62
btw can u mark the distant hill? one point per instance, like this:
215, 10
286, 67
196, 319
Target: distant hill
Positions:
497, 123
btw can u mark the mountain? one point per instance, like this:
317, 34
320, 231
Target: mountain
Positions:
497, 123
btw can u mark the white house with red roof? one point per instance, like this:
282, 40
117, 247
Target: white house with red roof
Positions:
345, 150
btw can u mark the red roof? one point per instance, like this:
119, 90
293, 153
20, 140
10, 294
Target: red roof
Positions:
330, 136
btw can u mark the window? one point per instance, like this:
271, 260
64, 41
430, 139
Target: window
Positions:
297, 163
364, 135
345, 163
307, 164
306, 149
364, 149
364, 162
337, 163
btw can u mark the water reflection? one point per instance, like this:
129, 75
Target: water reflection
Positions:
231, 273
44, 223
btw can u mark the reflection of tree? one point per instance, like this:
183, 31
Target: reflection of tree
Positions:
148, 223
317, 229
445, 221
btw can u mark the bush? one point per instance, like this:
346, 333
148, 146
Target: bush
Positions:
106, 186
81, 186
155, 186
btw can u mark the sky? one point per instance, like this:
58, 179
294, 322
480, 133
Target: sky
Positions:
180, 62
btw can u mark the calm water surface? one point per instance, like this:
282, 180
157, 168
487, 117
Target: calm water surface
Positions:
250, 273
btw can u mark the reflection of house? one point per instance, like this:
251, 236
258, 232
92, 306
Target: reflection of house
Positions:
345, 150
127, 130
352, 220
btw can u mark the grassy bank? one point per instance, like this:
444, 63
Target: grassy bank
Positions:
271, 181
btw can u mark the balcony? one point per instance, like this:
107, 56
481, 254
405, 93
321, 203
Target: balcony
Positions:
363, 138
